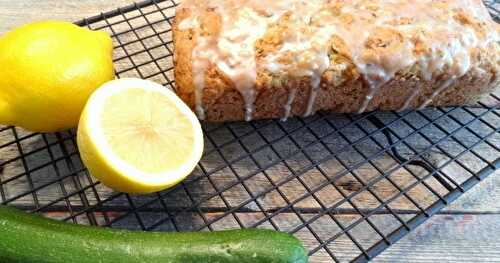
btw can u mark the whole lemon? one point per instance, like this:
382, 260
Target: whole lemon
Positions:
48, 70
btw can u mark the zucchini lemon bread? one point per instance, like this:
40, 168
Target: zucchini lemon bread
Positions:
254, 59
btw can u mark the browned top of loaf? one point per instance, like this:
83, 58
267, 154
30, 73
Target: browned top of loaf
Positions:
384, 46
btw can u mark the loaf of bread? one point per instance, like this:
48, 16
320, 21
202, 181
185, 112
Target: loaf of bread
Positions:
254, 59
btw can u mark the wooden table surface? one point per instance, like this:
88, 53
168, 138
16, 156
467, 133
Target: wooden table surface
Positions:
466, 231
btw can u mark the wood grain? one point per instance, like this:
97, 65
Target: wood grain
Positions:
259, 182
15, 13
444, 238
465, 231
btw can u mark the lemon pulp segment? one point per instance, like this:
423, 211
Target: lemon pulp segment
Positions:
137, 136
154, 139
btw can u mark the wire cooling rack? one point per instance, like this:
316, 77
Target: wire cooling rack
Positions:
349, 186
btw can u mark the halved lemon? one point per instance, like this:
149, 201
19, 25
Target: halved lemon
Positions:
137, 136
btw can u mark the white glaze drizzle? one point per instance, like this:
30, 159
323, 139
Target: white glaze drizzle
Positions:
203, 55
443, 86
243, 23
412, 96
289, 103
315, 82
305, 48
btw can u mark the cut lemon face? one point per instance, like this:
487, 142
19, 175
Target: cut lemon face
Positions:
137, 136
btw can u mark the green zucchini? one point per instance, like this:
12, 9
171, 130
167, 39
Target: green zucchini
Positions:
30, 238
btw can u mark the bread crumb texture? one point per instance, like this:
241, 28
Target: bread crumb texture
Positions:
251, 59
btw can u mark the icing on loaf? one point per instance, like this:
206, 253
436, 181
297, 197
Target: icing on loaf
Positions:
382, 37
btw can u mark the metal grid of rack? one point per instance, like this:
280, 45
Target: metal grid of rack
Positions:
349, 186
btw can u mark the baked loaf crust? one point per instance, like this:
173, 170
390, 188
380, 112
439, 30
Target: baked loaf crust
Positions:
253, 59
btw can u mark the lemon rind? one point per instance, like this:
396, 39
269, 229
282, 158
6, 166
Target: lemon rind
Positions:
133, 174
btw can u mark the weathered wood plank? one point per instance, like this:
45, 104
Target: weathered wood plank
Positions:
449, 238
224, 179
15, 13
444, 238
204, 189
